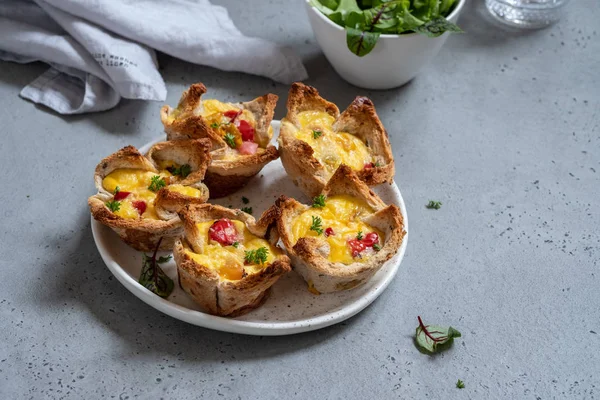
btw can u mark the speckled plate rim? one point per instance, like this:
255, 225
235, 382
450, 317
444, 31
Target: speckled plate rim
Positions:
248, 327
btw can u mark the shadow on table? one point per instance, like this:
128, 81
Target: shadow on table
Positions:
82, 281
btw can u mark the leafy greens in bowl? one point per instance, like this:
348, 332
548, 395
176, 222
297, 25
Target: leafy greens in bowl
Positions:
365, 20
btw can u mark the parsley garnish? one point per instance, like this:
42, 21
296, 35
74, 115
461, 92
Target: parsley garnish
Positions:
182, 171
258, 256
359, 235
214, 125
316, 225
113, 206
434, 204
230, 140
376, 247
460, 384
117, 190
247, 210
236, 244
245, 200
156, 183
377, 164
319, 201
316, 134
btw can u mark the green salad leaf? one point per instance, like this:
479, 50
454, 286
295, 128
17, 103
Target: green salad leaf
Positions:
437, 27
365, 20
431, 338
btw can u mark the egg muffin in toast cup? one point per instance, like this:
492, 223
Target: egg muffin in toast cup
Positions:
315, 139
139, 196
227, 261
240, 134
341, 240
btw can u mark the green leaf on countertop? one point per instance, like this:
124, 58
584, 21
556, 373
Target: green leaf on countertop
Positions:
153, 277
436, 205
460, 384
432, 338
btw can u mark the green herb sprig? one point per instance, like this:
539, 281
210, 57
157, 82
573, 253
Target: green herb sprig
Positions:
247, 210
359, 235
316, 225
317, 133
436, 205
230, 140
113, 205
319, 201
258, 256
460, 384
182, 171
153, 277
157, 183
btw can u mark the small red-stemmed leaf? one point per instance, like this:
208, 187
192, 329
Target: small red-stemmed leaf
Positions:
431, 337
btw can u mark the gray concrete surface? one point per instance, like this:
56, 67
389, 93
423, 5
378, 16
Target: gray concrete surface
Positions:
503, 128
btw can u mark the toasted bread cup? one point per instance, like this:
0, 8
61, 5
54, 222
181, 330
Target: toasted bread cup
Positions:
315, 139
139, 196
239, 132
352, 233
214, 265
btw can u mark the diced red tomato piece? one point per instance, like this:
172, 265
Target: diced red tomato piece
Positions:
248, 148
139, 205
369, 165
246, 130
223, 231
356, 247
370, 239
232, 114
120, 195
329, 232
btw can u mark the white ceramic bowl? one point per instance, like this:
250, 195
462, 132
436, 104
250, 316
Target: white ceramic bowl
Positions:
394, 61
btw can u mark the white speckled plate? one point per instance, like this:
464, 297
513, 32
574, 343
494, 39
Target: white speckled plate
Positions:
290, 308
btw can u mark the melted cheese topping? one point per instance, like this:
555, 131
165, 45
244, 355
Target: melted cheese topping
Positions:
332, 148
228, 261
343, 214
185, 190
137, 182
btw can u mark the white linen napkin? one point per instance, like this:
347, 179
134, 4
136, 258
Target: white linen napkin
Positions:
102, 51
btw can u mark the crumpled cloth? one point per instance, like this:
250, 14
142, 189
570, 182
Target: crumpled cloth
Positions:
102, 51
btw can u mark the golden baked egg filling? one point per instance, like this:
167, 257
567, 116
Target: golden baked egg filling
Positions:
332, 148
231, 250
134, 190
236, 126
338, 221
